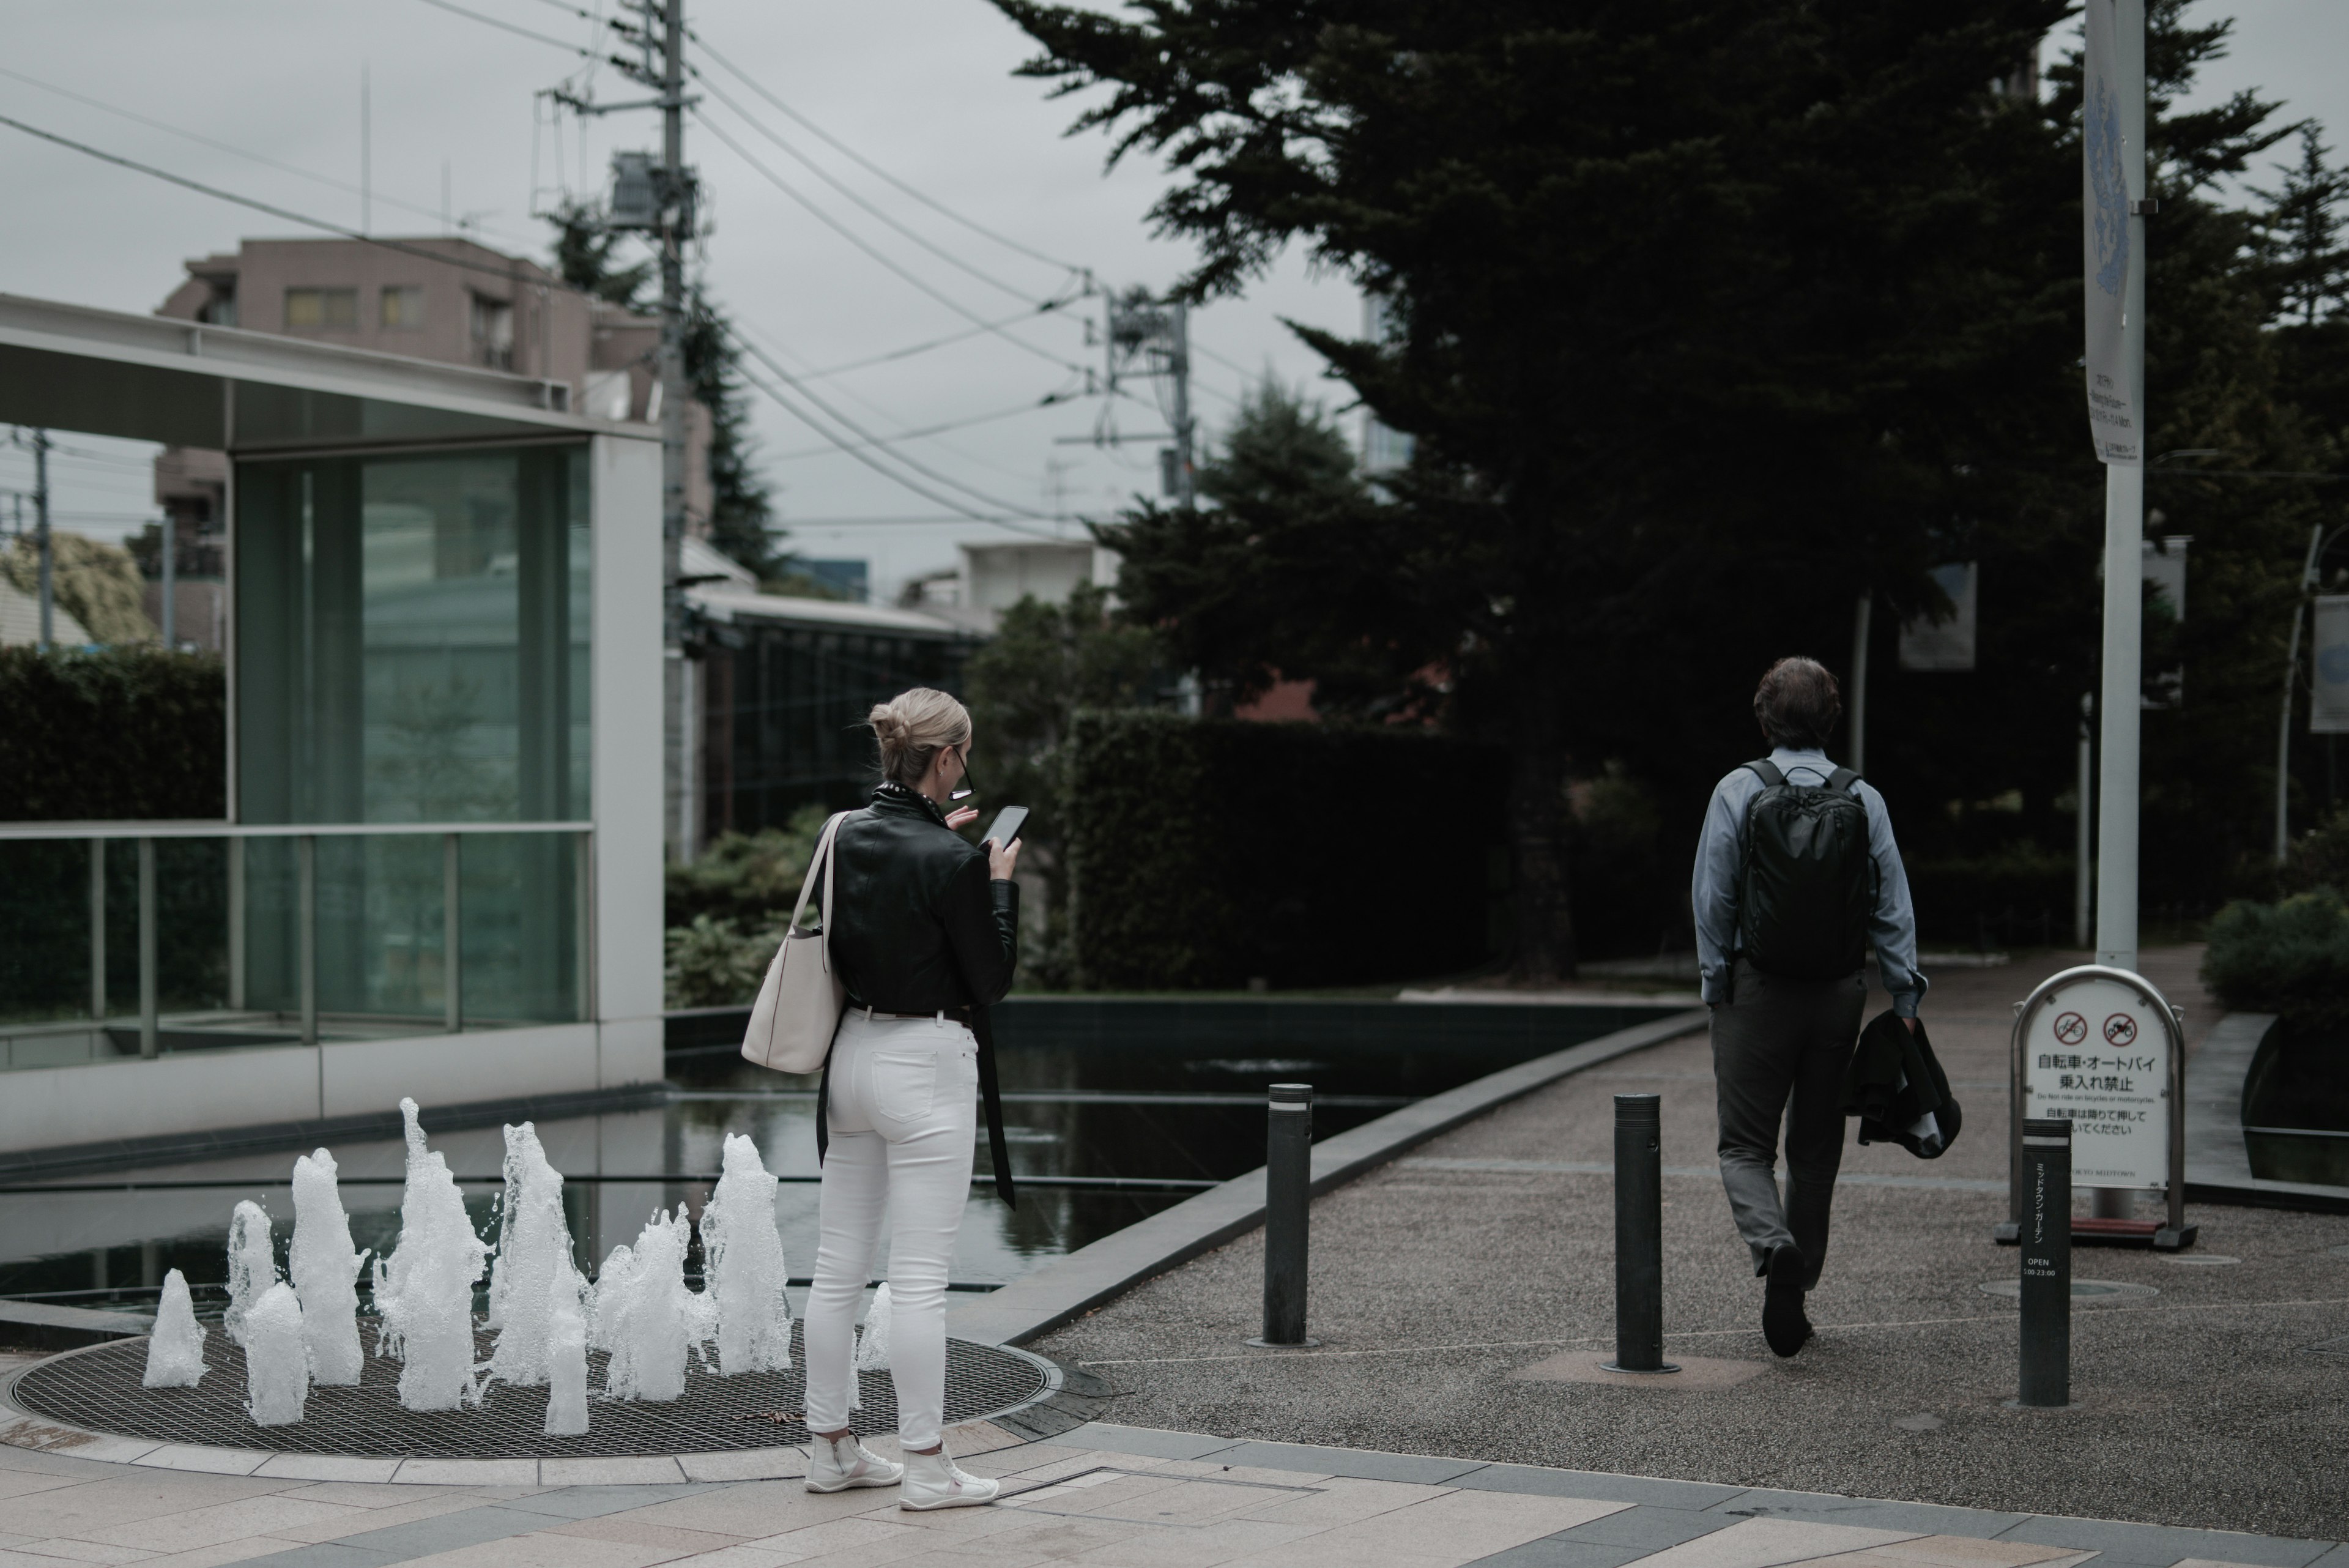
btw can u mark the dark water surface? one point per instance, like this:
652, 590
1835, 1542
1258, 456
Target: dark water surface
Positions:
1114, 1110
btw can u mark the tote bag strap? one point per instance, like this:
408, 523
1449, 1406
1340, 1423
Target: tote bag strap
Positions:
822, 861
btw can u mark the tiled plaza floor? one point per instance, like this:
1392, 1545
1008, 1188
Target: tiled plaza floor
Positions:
1114, 1496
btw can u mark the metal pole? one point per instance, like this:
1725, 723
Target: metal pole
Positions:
41, 537
171, 550
306, 879
452, 996
1862, 615
2123, 652
150, 1032
1288, 1184
1179, 367
236, 925
2283, 718
2084, 848
1638, 1236
98, 930
2046, 1338
671, 366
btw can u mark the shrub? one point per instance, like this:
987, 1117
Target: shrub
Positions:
745, 876
1204, 853
715, 963
2289, 958
116, 734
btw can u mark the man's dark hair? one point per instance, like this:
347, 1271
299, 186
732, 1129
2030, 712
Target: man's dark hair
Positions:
1797, 704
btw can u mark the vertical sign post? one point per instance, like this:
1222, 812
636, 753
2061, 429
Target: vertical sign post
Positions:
2046, 1338
1638, 1236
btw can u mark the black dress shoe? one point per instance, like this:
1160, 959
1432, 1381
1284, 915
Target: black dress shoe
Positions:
1784, 1324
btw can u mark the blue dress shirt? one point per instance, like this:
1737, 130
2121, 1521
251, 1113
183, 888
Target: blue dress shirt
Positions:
1712, 892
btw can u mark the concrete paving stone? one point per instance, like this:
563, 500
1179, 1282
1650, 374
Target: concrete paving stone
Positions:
757, 1510
547, 1551
1368, 1464
1051, 1538
589, 1501
1924, 1518
1340, 1500
1653, 1491
2336, 1558
1563, 1551
1767, 1542
2164, 1544
375, 1495
324, 1554
743, 1557
444, 1532
1143, 1440
632, 1533
1257, 1475
74, 1550
1454, 1528
874, 1540
86, 1448
186, 1529
644, 1469
327, 1468
1646, 1527
1225, 1541
1957, 1552
124, 1498
38, 1461
1068, 1464
744, 1464
431, 1506
246, 1550
204, 1460
468, 1473
978, 1438
16, 1483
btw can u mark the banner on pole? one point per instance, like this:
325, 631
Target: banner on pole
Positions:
2328, 697
2105, 153
1929, 644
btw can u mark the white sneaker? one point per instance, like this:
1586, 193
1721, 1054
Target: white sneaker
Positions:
934, 1481
837, 1466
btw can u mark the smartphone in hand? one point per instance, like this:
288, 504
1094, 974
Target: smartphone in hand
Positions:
1006, 827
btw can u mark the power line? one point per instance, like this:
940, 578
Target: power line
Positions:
868, 165
280, 166
548, 280
488, 21
1050, 399
863, 245
922, 348
830, 179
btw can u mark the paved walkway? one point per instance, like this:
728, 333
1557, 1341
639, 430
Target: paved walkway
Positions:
1464, 1295
1116, 1495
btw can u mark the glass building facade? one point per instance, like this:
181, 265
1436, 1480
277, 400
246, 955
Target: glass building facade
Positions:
412, 647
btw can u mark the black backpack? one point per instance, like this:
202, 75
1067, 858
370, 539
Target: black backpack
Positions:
1807, 884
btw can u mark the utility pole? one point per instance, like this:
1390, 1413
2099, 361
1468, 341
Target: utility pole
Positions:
41, 537
657, 199
1863, 617
170, 542
1150, 337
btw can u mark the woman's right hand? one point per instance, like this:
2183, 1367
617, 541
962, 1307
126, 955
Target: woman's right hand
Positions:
1002, 861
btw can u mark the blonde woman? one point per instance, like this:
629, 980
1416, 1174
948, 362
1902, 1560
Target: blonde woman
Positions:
922, 932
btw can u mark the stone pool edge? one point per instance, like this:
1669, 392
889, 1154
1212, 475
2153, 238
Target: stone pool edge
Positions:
1069, 1286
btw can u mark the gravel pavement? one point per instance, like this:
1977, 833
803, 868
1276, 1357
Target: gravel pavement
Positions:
1437, 1278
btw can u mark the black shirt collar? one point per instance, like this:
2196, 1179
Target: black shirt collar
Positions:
896, 799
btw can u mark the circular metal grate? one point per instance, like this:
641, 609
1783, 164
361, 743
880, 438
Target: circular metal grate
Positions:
100, 1390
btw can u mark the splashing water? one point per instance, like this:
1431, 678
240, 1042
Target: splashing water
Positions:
252, 1265
276, 1362
873, 1339
325, 1269
533, 1272
424, 1291
743, 1258
175, 1351
567, 1366
645, 1320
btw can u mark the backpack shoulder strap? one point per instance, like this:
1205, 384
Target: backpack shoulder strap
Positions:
1841, 780
1768, 772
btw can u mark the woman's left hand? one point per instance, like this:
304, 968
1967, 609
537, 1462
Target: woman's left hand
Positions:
962, 817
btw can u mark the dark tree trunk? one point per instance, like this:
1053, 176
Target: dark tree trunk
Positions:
1544, 948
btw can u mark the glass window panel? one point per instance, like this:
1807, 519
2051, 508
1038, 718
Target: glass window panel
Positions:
403, 308
315, 308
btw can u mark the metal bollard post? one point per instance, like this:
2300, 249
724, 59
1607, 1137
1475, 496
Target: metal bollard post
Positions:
1638, 1236
2046, 1249
1287, 1180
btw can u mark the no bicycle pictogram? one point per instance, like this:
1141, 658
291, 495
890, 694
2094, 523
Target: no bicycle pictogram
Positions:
2120, 1029
2071, 1029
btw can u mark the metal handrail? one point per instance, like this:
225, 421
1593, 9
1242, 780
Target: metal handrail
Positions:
207, 829
306, 835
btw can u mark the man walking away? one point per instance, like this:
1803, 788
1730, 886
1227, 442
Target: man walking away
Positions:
1796, 874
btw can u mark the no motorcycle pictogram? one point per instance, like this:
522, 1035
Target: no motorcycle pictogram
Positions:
2120, 1029
2071, 1029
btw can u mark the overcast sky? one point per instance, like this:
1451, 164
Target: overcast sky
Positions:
920, 87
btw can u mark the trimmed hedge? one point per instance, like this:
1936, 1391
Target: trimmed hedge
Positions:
2289, 958
1205, 853
120, 733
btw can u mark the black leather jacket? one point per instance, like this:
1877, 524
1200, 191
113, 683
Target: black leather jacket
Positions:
918, 925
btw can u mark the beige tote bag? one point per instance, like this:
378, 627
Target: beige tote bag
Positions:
800, 1002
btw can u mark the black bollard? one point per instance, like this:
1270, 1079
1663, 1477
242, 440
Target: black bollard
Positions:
1287, 1180
1638, 1236
2046, 1265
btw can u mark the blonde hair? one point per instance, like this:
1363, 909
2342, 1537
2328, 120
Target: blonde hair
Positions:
914, 726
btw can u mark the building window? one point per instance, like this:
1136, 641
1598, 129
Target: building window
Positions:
492, 332
219, 310
316, 308
403, 309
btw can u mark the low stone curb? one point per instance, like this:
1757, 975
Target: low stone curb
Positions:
1067, 1288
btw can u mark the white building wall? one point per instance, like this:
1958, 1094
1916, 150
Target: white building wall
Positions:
627, 756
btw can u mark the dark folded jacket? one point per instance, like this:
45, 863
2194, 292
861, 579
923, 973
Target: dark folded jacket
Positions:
1895, 1083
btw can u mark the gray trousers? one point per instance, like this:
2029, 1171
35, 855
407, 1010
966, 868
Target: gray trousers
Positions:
1779, 1052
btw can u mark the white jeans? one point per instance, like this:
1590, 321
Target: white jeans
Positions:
902, 1116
